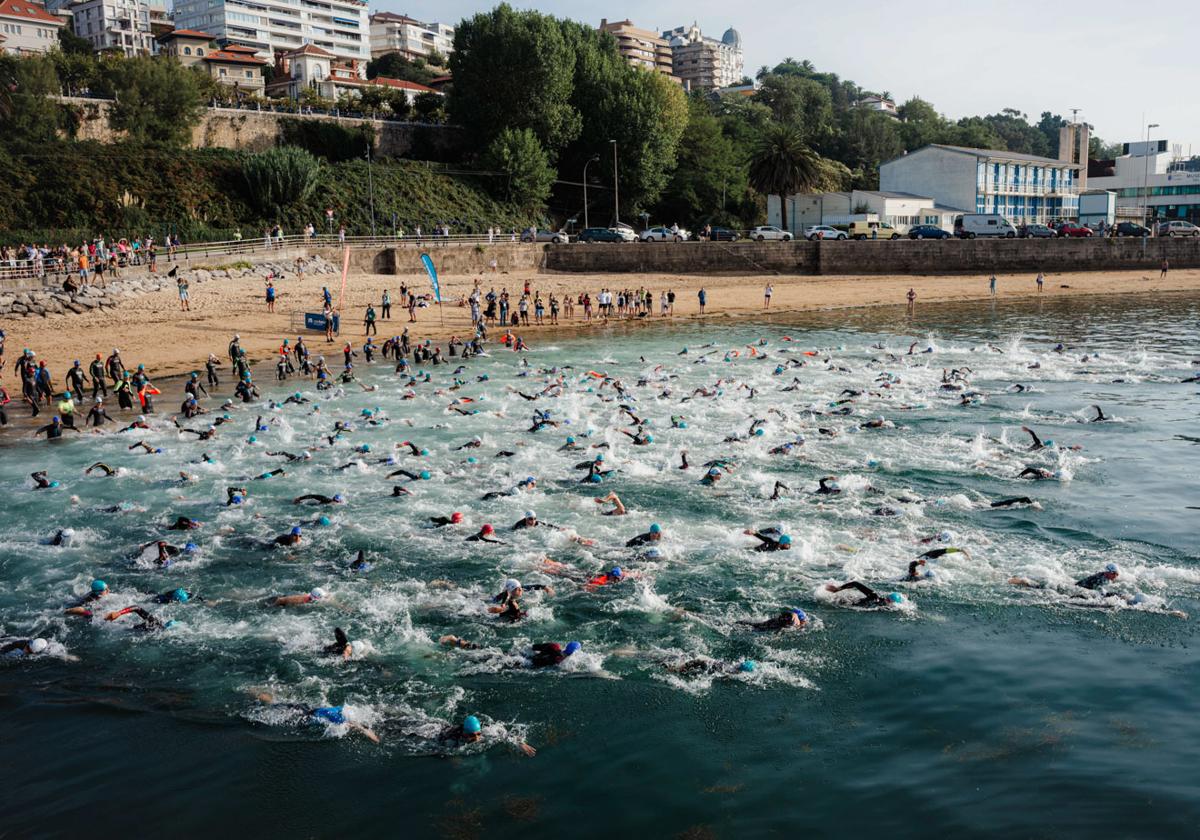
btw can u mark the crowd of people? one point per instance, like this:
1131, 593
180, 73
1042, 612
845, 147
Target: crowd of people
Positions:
89, 261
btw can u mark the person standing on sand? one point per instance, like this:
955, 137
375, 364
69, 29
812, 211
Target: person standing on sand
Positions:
270, 296
182, 283
992, 285
702, 296
386, 306
770, 290
1165, 266
1040, 280
671, 300
369, 321
912, 299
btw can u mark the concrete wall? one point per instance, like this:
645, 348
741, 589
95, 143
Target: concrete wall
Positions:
254, 131
449, 260
951, 256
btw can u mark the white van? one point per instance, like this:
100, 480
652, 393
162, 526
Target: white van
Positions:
983, 224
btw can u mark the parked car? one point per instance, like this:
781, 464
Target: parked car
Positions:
927, 232
1037, 232
664, 234
558, 237
971, 225
815, 232
873, 230
770, 233
1132, 229
601, 235
1074, 230
626, 233
1178, 227
724, 234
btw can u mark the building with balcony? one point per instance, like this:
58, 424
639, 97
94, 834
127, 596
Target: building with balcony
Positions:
1152, 183
640, 47
315, 68
238, 67
273, 27
703, 63
878, 103
27, 28
393, 33
187, 46
1023, 188
121, 25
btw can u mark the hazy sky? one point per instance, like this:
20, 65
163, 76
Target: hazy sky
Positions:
1111, 59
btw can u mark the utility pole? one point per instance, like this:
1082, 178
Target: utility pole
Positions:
591, 160
616, 187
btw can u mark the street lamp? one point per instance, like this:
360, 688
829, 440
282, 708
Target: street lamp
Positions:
1146, 179
591, 160
616, 187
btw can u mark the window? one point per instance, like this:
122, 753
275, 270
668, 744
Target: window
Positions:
249, 74
222, 71
199, 51
187, 50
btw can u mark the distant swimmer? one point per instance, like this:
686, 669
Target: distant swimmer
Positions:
935, 553
470, 731
507, 604
486, 533
1100, 415
23, 647
336, 499
316, 596
149, 623
779, 485
291, 538
176, 596
1093, 582
913, 574
340, 646
455, 518
102, 467
1037, 441
183, 523
1036, 474
618, 508
82, 608
870, 598
654, 534
711, 667
770, 539
786, 620
1014, 501
323, 715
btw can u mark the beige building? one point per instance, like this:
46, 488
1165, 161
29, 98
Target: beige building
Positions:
27, 28
393, 33
186, 45
704, 63
640, 47
118, 25
316, 68
236, 66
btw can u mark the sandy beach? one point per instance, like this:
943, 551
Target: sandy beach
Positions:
151, 329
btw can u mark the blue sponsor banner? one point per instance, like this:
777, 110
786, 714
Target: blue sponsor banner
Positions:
316, 321
428, 261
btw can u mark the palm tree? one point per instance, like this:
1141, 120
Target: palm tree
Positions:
783, 165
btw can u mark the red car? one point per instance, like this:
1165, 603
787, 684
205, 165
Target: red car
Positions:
1073, 230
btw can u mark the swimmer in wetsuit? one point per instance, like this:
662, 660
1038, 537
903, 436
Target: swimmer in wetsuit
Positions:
486, 534
612, 498
321, 715
1036, 474
291, 538
824, 488
149, 623
183, 523
455, 518
654, 534
80, 608
1016, 500
770, 540
705, 665
336, 499
870, 598
23, 647
786, 620
340, 646
103, 467
1100, 416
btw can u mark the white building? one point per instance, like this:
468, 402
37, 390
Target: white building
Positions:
703, 63
315, 68
1150, 182
27, 28
1023, 188
339, 27
393, 33
878, 103
122, 25
900, 210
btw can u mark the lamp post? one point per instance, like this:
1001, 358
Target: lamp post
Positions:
591, 160
616, 187
1146, 179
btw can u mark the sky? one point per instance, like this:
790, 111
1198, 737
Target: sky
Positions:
1121, 65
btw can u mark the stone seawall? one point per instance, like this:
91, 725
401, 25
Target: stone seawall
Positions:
449, 260
903, 256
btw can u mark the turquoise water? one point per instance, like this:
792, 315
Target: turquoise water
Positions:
977, 708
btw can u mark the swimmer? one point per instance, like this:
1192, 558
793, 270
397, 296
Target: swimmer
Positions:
618, 508
786, 620
397, 490
316, 596
708, 666
270, 474
548, 654
25, 647
485, 534
913, 575
321, 715
1016, 500
1035, 474
149, 623
336, 499
613, 576
360, 563
1100, 416
935, 553
176, 596
779, 485
1093, 582
166, 552
340, 646
183, 523
824, 488
470, 731
683, 461
772, 539
303, 456
103, 467
654, 534
1037, 441
530, 520
870, 598
455, 518
508, 603
291, 538
473, 443
54, 429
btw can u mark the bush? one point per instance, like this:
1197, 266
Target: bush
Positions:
525, 175
329, 139
278, 178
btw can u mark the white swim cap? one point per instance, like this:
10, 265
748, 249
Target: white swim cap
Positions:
317, 594
1112, 567
529, 514
38, 646
511, 585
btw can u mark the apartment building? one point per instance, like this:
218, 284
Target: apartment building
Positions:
27, 28
703, 63
393, 33
122, 25
1153, 181
640, 47
272, 27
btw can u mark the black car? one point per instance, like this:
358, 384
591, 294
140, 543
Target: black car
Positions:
600, 235
724, 234
1131, 229
927, 232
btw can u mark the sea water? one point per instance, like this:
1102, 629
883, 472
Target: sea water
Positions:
979, 707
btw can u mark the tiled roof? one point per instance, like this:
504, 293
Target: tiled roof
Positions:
309, 49
230, 57
28, 11
185, 33
401, 84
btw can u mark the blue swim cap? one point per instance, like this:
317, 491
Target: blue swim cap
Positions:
570, 439
649, 438
655, 528
759, 433
191, 548
530, 479
366, 412
616, 572
895, 597
53, 483
471, 459
366, 447
338, 497
597, 478
1047, 442
297, 395
653, 554
571, 648
747, 666
471, 725
600, 457
296, 531
99, 585
324, 520
424, 475
180, 595
330, 714
800, 614
170, 624
424, 451
682, 424
237, 500
252, 439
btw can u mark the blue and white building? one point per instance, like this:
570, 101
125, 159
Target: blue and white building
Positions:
1023, 188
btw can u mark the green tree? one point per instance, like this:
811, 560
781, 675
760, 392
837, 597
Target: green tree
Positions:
711, 175
28, 113
157, 99
974, 132
525, 174
430, 107
920, 124
1017, 134
72, 44
395, 66
803, 102
1048, 125
436, 59
868, 139
513, 70
278, 178
783, 165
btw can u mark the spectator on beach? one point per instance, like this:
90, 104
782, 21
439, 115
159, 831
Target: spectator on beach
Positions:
702, 296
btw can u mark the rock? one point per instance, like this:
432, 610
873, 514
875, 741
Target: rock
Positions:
37, 309
78, 309
18, 308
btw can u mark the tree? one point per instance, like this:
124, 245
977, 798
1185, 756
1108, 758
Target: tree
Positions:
711, 174
72, 44
524, 171
804, 102
28, 112
395, 66
157, 99
436, 59
513, 70
278, 178
1048, 125
1017, 134
920, 124
783, 165
430, 107
868, 139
